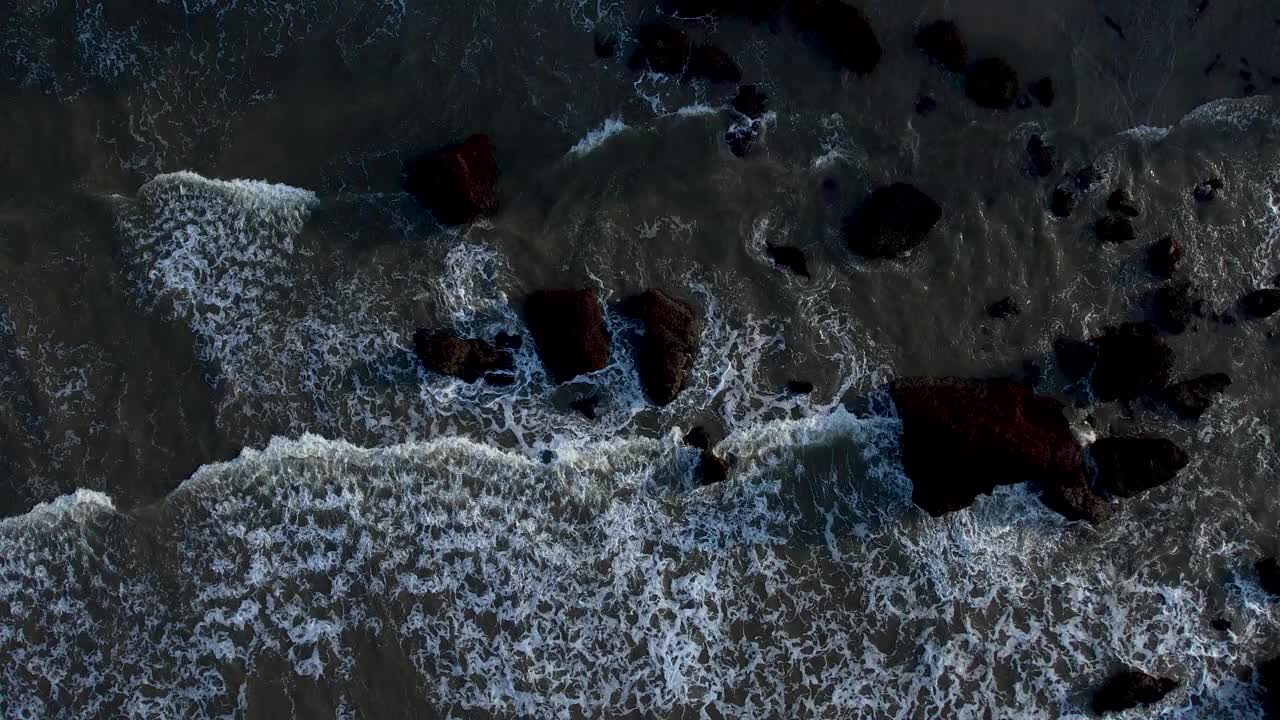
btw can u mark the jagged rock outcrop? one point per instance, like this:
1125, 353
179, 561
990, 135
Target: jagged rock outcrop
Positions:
457, 183
1192, 398
669, 345
1130, 689
466, 358
568, 330
892, 220
1128, 465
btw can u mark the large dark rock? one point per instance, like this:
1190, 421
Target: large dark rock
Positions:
1042, 91
1128, 465
1039, 157
1130, 689
457, 183
586, 405
991, 83
789, 257
1076, 358
1123, 203
568, 330
751, 101
1269, 679
1191, 398
940, 40
892, 220
1132, 361
1003, 308
1062, 202
1164, 256
669, 344
713, 65
799, 387
1175, 305
662, 48
1261, 303
1114, 229
961, 438
839, 30
465, 358
1268, 575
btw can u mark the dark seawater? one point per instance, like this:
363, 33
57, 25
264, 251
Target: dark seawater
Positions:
232, 491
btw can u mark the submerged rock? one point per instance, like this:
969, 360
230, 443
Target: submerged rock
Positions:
1175, 305
750, 101
1129, 465
840, 30
940, 41
1130, 689
606, 46
506, 341
925, 104
662, 48
1003, 308
1062, 202
892, 220
1261, 303
1192, 398
1122, 202
799, 387
1132, 361
1076, 358
791, 258
1207, 190
465, 358
713, 65
1042, 91
1039, 157
586, 405
961, 438
568, 330
1114, 229
991, 83
1164, 256
669, 344
1268, 575
457, 183
740, 138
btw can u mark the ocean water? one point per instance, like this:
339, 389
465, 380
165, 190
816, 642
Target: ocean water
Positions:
231, 491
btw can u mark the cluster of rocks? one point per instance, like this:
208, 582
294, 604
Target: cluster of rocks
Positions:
990, 82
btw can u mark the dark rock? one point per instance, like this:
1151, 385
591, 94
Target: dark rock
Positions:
1192, 398
669, 344
940, 40
1221, 624
750, 101
925, 104
500, 379
698, 438
1062, 202
1114, 26
586, 405
662, 48
962, 438
1175, 305
506, 341
1268, 575
1042, 91
1122, 202
991, 83
1003, 308
464, 358
711, 468
799, 387
1269, 679
892, 220
786, 256
1114, 229
841, 31
457, 183
1207, 190
1128, 465
1132, 361
1076, 358
1039, 157
1024, 102
713, 65
740, 139
606, 46
1261, 303
568, 331
1164, 256
1130, 689
1086, 176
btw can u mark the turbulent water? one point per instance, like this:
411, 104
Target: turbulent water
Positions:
232, 490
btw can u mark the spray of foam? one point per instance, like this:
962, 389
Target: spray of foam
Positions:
597, 137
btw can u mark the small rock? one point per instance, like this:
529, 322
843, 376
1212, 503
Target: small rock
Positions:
1121, 201
606, 46
457, 183
1192, 398
1085, 177
1114, 229
1040, 157
586, 405
799, 387
841, 31
506, 341
713, 65
1042, 91
940, 41
991, 83
1024, 102
711, 468
925, 104
1130, 465
791, 258
1207, 190
662, 48
1003, 308
1062, 202
464, 358
568, 331
669, 344
1261, 303
1130, 689
892, 220
750, 101
1132, 361
1221, 624
1164, 256
1268, 575
1174, 305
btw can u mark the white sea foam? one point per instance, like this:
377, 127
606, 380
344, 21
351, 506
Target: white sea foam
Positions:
597, 137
